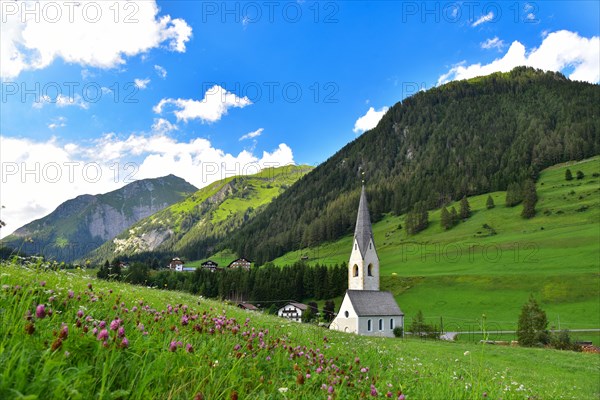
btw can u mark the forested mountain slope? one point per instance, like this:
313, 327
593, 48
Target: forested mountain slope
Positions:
462, 138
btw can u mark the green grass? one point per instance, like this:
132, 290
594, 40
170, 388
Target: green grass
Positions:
593, 337
35, 364
463, 273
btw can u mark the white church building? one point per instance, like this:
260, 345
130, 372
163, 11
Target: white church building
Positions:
365, 309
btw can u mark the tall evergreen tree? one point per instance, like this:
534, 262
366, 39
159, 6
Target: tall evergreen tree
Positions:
329, 310
465, 208
529, 199
579, 174
445, 219
490, 203
454, 216
417, 219
531, 330
514, 194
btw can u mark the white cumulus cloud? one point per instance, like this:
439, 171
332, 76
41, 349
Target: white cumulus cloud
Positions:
253, 134
141, 83
494, 43
483, 19
369, 120
559, 50
162, 125
59, 122
62, 101
37, 176
216, 102
89, 33
160, 71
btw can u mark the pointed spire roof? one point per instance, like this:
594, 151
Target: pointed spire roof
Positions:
363, 232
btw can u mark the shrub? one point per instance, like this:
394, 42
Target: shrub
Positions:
562, 341
398, 331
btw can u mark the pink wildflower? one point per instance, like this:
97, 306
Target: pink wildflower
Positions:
103, 334
40, 311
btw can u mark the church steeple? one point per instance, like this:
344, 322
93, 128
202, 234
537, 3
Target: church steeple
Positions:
363, 232
363, 267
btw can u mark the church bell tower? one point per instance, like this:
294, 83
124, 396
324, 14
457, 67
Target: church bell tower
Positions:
363, 267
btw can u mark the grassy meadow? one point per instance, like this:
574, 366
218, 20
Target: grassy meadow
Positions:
66, 335
491, 263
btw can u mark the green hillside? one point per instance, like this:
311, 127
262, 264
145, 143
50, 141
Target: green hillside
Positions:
463, 138
469, 270
191, 227
107, 340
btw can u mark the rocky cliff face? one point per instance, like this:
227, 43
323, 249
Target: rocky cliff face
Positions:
82, 224
106, 222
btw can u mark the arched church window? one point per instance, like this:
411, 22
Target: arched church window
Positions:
370, 270
347, 314
355, 270
369, 328
380, 324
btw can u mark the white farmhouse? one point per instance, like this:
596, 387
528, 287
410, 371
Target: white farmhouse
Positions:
292, 311
365, 309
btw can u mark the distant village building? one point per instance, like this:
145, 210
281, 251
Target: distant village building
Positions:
241, 263
247, 306
210, 265
176, 264
365, 309
293, 311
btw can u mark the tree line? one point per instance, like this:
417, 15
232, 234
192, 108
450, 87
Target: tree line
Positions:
266, 285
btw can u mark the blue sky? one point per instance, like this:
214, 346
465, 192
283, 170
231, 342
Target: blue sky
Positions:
144, 89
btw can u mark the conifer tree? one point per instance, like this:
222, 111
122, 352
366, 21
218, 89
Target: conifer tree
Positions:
513, 194
529, 199
531, 330
454, 216
445, 219
579, 174
490, 203
465, 208
568, 175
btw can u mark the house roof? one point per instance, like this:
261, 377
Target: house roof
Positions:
240, 260
209, 262
363, 232
247, 306
298, 305
373, 302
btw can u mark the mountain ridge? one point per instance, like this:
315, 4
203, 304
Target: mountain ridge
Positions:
191, 227
83, 223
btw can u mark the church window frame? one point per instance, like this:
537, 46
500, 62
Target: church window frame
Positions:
392, 324
370, 270
346, 314
380, 324
369, 325
355, 270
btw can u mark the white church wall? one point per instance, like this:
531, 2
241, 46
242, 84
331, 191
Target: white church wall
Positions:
346, 320
387, 331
